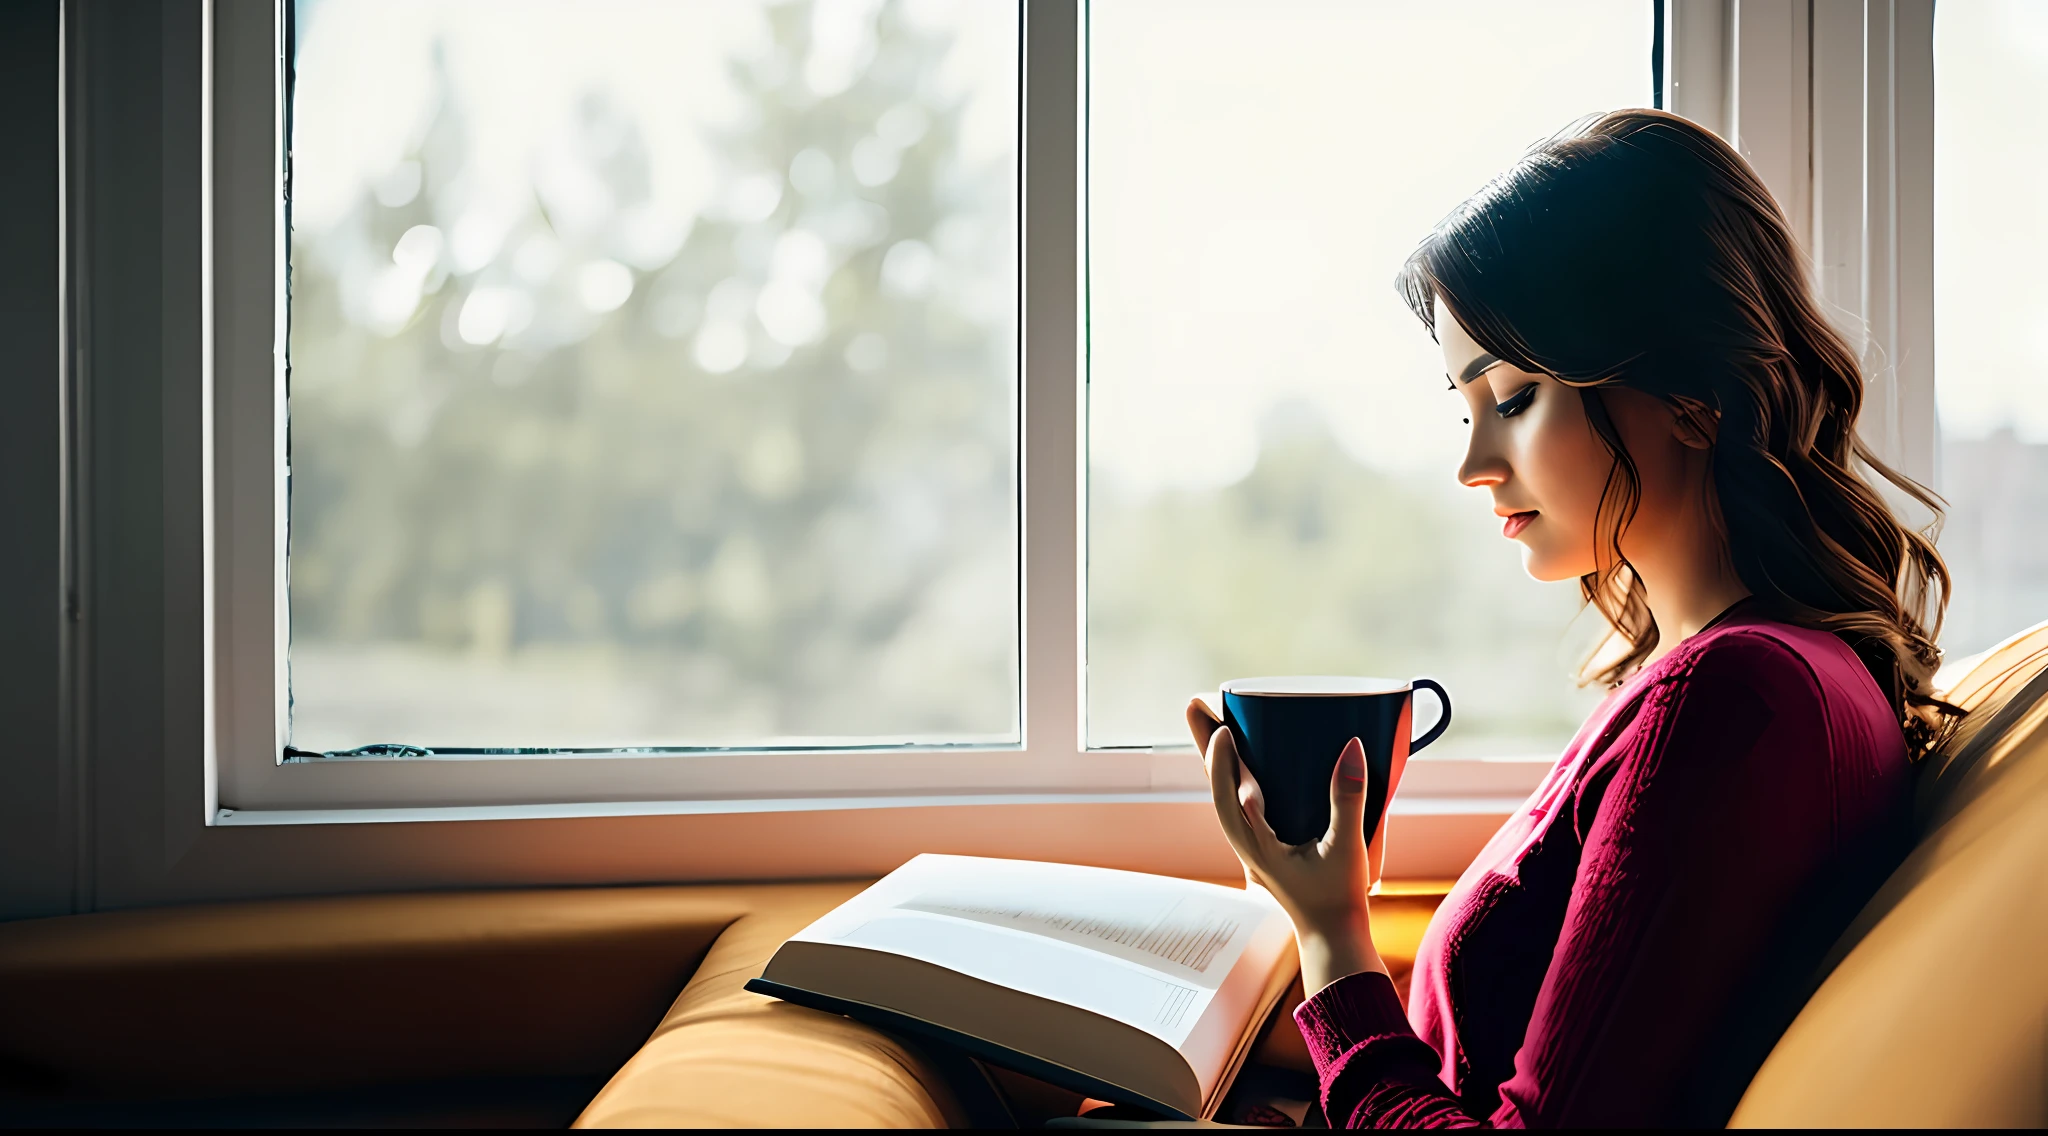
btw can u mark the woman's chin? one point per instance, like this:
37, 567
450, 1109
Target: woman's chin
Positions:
1541, 564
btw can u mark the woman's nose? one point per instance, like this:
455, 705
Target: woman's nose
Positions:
1483, 465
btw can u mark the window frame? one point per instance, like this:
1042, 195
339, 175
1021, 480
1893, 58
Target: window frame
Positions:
1833, 102
255, 784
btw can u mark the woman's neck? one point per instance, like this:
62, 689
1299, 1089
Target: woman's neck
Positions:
1688, 584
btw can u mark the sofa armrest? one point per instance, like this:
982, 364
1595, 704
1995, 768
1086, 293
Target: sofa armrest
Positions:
723, 1057
297, 995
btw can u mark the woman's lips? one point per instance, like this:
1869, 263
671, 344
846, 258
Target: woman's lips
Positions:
1516, 522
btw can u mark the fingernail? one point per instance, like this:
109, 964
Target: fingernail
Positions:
1352, 761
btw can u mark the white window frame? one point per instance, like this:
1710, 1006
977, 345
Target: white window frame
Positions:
1052, 763
1832, 101
256, 786
1831, 98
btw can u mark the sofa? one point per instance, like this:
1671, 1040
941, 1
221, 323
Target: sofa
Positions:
624, 1007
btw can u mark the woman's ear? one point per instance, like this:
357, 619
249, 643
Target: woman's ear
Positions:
1694, 423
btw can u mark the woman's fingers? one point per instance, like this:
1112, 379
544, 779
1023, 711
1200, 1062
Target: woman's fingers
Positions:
1202, 723
1221, 760
1347, 796
1252, 799
1240, 805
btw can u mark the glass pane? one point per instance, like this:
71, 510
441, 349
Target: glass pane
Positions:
1272, 450
1991, 313
654, 373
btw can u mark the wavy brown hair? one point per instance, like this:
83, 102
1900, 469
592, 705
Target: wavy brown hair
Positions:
1638, 249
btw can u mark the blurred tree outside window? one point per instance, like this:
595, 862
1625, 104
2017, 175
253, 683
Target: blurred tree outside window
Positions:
1272, 450
653, 373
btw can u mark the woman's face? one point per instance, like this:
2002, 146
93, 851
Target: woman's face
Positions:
1533, 448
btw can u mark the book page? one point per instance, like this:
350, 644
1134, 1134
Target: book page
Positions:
1185, 938
1146, 950
1048, 968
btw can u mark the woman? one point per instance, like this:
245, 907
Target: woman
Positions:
1658, 409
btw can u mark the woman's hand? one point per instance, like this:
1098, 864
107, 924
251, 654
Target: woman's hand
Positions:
1322, 884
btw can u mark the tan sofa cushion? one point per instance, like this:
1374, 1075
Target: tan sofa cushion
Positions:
724, 1058
1935, 1014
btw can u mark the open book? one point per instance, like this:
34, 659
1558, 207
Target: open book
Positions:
1132, 988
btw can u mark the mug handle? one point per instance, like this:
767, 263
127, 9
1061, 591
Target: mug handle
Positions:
1443, 721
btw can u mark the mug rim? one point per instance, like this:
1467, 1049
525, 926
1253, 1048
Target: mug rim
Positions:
1314, 686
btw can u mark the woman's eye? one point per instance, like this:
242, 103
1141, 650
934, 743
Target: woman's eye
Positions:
1516, 402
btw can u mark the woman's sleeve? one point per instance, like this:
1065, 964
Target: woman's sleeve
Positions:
1374, 1071
1692, 854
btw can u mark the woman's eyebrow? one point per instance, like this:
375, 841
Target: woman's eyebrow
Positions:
1477, 366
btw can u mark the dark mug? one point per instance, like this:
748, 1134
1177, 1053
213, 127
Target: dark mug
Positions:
1290, 731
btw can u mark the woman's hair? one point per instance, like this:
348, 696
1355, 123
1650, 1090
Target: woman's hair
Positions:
1640, 250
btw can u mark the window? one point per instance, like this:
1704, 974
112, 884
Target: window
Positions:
654, 385
1991, 313
1271, 447
653, 374
172, 683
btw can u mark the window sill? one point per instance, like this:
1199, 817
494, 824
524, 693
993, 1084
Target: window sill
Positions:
1427, 806
682, 784
1167, 831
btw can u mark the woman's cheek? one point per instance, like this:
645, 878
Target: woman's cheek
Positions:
1569, 480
